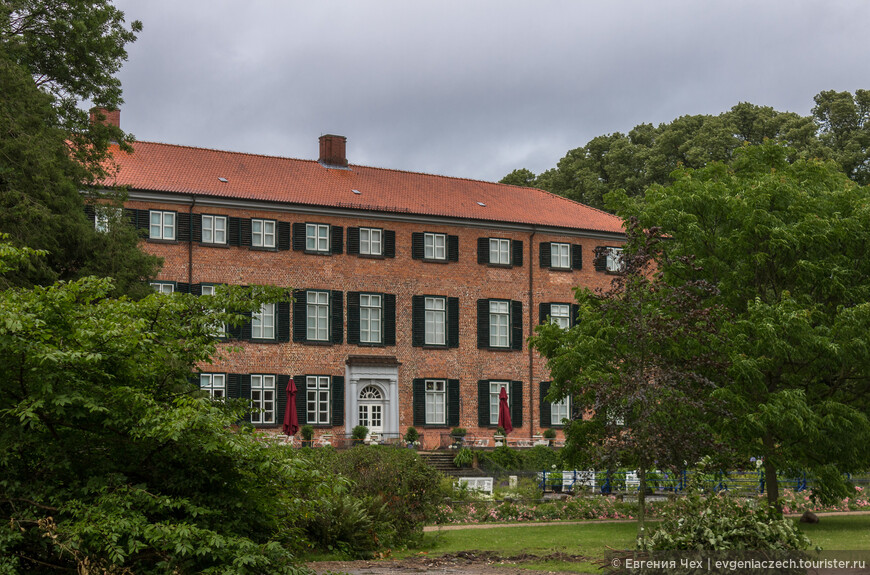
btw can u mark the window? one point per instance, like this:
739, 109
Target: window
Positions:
164, 288
214, 229
499, 323
559, 410
214, 384
220, 329
317, 238
263, 398
434, 246
103, 215
436, 400
263, 323
560, 256
614, 259
499, 251
560, 314
317, 387
495, 388
162, 225
370, 241
318, 315
263, 233
369, 318
436, 319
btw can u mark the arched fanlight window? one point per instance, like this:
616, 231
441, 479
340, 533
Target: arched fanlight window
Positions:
370, 392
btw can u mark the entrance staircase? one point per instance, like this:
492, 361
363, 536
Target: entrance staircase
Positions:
443, 462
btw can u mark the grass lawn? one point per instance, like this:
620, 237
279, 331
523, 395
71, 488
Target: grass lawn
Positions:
846, 532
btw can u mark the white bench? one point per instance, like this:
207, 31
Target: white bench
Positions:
482, 484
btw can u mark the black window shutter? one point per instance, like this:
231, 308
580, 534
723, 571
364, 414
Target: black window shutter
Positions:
517, 255
546, 406
283, 321
419, 402
182, 287
182, 231
418, 320
245, 227
453, 248
337, 239
453, 402
483, 403
353, 317
600, 260
196, 289
132, 216
576, 257
246, 327
389, 244
517, 403
543, 312
389, 319
545, 258
301, 398
245, 392
352, 241
281, 398
283, 235
300, 315
143, 219
482, 323
299, 236
338, 400
483, 250
575, 312
517, 325
234, 383
196, 228
417, 249
234, 331
336, 305
234, 231
453, 322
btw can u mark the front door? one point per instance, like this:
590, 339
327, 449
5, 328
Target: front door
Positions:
371, 409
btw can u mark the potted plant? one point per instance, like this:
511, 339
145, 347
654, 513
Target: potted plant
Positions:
458, 435
358, 434
307, 435
412, 437
549, 435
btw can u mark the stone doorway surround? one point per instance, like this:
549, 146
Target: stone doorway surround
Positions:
381, 371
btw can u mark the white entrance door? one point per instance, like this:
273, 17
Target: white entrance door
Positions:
371, 409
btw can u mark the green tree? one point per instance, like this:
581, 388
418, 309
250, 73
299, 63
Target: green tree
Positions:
785, 243
844, 122
113, 461
54, 55
643, 356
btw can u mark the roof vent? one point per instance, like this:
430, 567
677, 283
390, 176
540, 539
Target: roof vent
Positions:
481, 204
224, 180
356, 191
333, 151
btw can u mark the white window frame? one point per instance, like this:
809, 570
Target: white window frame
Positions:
317, 238
560, 256
263, 399
499, 251
215, 227
434, 246
371, 313
164, 288
161, 225
560, 314
220, 329
560, 410
317, 314
435, 321
103, 216
263, 322
435, 401
265, 236
317, 401
500, 323
614, 260
494, 390
215, 384
371, 241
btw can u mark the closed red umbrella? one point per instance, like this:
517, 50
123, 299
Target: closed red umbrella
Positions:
504, 412
291, 420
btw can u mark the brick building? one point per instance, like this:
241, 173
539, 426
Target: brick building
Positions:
414, 293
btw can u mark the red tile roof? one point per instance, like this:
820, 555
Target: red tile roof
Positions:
187, 170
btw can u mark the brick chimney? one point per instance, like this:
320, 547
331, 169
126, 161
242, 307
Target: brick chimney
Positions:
113, 117
332, 151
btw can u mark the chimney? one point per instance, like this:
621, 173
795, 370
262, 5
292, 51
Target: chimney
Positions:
332, 151
113, 117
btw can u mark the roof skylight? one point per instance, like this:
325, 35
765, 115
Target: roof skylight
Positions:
356, 191
224, 180
481, 204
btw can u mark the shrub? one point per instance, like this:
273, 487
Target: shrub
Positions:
411, 435
359, 432
463, 457
550, 433
307, 432
504, 457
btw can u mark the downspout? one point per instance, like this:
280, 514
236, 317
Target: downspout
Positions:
190, 243
531, 329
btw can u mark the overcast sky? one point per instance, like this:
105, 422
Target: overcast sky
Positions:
471, 88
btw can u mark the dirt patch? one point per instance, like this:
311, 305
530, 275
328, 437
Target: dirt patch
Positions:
463, 562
